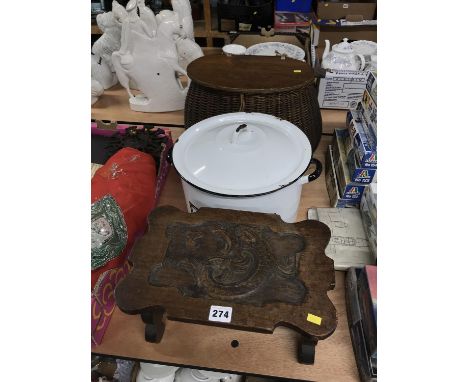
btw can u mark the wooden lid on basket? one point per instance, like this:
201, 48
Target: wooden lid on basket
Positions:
256, 74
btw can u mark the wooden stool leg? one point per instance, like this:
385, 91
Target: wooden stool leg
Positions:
307, 350
154, 324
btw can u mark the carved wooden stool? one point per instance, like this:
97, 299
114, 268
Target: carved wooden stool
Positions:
242, 270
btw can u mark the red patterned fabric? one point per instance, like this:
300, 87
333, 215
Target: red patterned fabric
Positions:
129, 176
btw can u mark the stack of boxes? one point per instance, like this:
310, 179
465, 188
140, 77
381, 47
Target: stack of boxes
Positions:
293, 16
337, 19
334, 21
369, 216
351, 161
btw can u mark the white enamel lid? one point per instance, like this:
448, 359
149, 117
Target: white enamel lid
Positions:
242, 154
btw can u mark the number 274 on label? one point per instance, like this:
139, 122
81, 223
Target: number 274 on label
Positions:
220, 313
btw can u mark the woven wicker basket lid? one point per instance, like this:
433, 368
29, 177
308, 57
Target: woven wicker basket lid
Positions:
250, 74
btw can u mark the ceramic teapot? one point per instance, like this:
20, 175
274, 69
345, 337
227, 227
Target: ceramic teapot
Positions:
342, 57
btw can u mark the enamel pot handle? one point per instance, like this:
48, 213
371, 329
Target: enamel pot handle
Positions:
169, 155
318, 170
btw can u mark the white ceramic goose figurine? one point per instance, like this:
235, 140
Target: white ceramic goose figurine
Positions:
147, 17
184, 12
109, 41
102, 73
187, 50
96, 90
155, 76
169, 25
152, 63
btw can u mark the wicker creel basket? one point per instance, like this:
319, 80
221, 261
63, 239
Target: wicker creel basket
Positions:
282, 87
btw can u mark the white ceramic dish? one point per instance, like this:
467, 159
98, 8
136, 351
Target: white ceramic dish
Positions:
364, 47
244, 161
154, 372
275, 49
195, 375
234, 49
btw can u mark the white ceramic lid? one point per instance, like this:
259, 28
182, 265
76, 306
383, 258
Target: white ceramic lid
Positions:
242, 154
343, 47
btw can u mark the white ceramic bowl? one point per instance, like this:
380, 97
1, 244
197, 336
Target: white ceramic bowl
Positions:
234, 49
157, 372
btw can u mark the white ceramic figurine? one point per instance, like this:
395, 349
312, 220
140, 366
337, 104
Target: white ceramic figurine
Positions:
184, 12
109, 42
96, 90
187, 50
154, 51
101, 72
169, 25
147, 16
155, 76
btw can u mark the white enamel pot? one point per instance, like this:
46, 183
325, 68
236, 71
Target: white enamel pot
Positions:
244, 161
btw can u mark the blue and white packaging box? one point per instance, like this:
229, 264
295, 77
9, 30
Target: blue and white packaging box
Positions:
368, 108
355, 172
369, 215
371, 86
351, 198
359, 174
363, 139
347, 189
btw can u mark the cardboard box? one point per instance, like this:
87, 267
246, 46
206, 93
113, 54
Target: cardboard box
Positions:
371, 86
336, 30
368, 110
349, 169
370, 196
293, 5
341, 89
336, 200
348, 245
369, 217
339, 10
363, 139
290, 22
